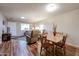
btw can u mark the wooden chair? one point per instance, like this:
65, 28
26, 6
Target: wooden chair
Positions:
47, 46
61, 44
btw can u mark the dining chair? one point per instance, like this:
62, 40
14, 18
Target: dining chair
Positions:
47, 46
61, 45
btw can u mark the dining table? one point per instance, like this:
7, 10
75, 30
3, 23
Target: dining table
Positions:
57, 38
54, 39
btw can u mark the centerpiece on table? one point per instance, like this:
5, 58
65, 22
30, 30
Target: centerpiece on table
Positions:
54, 29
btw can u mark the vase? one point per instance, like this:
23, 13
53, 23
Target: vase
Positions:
54, 33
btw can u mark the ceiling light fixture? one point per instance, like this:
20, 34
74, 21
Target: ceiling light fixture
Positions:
22, 17
51, 7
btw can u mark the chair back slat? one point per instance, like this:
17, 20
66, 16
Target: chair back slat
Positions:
43, 39
64, 39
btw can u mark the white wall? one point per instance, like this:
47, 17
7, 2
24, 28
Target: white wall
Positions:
67, 23
1, 19
12, 26
2, 27
18, 29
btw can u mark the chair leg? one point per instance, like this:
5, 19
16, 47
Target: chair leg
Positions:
40, 50
55, 51
46, 51
64, 50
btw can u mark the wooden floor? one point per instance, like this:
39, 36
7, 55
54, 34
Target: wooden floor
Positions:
15, 48
20, 48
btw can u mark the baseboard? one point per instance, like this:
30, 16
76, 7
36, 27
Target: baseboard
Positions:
75, 46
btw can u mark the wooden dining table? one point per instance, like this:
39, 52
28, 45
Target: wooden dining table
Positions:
52, 38
55, 39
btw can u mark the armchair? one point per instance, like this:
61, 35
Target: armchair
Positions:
32, 36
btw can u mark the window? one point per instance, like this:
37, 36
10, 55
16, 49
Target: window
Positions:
25, 26
37, 28
41, 27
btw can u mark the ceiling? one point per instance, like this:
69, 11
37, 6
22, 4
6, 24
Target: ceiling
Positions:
33, 12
